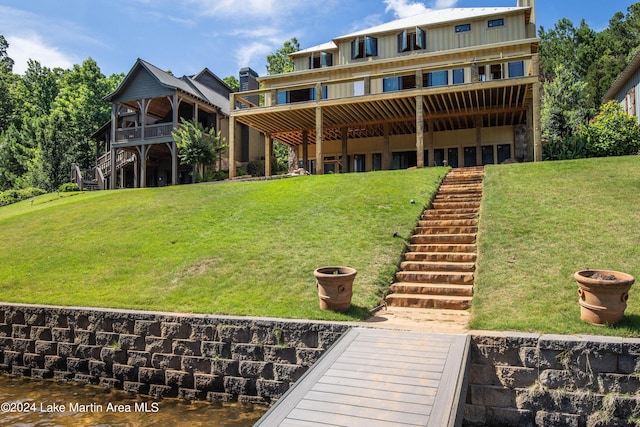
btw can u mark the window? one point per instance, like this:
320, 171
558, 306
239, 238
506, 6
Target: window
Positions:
458, 76
495, 23
391, 84
516, 69
358, 88
376, 159
359, 163
437, 78
463, 28
321, 60
408, 41
363, 47
300, 95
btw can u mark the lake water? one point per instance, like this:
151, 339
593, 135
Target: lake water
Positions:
28, 402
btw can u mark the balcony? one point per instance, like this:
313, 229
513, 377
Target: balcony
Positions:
161, 131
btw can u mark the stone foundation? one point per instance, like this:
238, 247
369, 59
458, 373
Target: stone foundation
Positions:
161, 354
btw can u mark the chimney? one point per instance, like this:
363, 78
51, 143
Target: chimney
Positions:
531, 28
248, 81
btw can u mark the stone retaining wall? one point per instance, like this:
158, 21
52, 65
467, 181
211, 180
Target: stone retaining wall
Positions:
520, 379
161, 354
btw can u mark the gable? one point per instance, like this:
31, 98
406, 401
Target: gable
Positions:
139, 84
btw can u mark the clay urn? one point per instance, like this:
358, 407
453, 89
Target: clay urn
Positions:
603, 295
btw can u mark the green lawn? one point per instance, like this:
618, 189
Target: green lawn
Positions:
540, 223
246, 248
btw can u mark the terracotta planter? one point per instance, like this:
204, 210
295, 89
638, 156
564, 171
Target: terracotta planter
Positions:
335, 287
603, 295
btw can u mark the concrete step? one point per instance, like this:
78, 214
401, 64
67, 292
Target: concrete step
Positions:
446, 229
455, 205
444, 247
429, 301
426, 239
447, 277
432, 289
441, 256
433, 266
448, 222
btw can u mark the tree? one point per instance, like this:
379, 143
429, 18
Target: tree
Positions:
564, 108
196, 146
232, 82
612, 132
7, 79
279, 62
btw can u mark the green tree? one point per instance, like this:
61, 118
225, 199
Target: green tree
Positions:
196, 146
565, 106
14, 158
279, 62
612, 132
232, 82
50, 166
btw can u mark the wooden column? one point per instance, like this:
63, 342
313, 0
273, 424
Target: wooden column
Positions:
268, 152
114, 125
174, 153
478, 126
419, 122
345, 153
305, 149
431, 137
142, 151
419, 132
232, 138
537, 139
386, 155
319, 153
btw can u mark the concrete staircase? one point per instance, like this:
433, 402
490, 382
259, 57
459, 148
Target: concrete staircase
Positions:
437, 271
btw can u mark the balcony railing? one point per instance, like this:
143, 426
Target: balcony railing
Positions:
459, 74
150, 132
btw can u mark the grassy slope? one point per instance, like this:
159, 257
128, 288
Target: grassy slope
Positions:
542, 222
233, 248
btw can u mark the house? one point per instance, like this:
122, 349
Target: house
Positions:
455, 86
626, 88
146, 107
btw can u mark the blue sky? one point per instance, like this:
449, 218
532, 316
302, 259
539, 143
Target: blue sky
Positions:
185, 36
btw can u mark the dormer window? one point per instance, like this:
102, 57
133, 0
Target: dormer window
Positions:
463, 28
414, 40
492, 23
320, 60
363, 47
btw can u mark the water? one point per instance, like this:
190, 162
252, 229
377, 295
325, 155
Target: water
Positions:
28, 402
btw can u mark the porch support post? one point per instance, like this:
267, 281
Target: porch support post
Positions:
114, 125
345, 158
268, 152
537, 141
419, 132
174, 147
143, 150
478, 126
143, 110
305, 149
386, 155
319, 153
431, 137
232, 138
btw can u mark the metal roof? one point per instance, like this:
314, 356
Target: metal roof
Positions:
622, 78
433, 17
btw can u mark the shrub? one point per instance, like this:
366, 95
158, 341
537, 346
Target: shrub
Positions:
68, 187
13, 196
572, 147
256, 168
612, 132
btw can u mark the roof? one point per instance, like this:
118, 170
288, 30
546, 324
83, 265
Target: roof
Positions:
185, 84
433, 17
622, 78
319, 48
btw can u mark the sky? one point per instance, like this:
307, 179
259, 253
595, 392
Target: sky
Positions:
185, 36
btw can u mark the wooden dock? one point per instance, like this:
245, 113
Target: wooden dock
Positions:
377, 377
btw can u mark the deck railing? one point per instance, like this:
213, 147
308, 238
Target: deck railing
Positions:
150, 132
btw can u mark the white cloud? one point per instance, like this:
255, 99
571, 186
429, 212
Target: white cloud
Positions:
406, 8
252, 53
32, 46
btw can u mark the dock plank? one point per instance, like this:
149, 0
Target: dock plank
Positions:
374, 377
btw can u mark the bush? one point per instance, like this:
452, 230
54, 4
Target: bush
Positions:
573, 147
13, 196
612, 132
255, 168
68, 187
241, 172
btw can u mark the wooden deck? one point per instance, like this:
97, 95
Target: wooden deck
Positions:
376, 377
